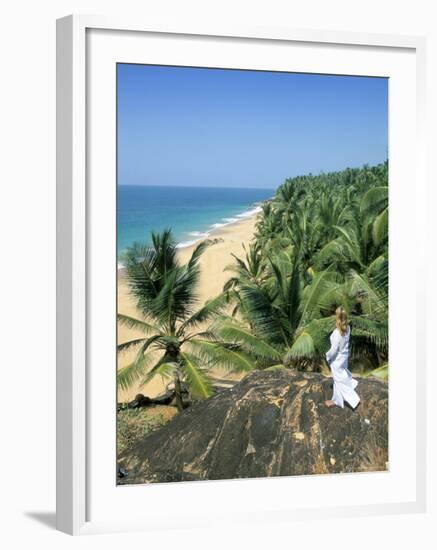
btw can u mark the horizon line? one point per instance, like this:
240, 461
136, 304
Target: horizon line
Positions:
194, 186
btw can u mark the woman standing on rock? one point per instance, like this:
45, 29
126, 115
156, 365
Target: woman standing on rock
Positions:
338, 360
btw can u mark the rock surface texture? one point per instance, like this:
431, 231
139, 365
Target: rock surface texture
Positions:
272, 423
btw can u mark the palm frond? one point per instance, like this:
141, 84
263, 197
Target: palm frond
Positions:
125, 346
196, 377
197, 252
210, 309
265, 318
218, 354
166, 370
131, 322
380, 372
177, 298
374, 301
303, 346
275, 367
132, 373
311, 340
373, 330
234, 333
375, 199
380, 227
331, 251
315, 296
352, 243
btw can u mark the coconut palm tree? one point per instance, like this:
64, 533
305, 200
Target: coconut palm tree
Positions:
282, 320
250, 270
175, 344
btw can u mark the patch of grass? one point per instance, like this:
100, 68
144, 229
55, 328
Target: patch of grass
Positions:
374, 457
134, 424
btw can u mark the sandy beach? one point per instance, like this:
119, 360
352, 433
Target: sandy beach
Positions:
213, 276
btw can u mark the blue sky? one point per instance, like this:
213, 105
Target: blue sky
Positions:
217, 128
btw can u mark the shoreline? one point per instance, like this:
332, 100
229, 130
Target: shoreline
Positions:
214, 230
213, 275
212, 234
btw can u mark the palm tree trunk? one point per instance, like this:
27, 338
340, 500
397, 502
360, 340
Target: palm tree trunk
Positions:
178, 393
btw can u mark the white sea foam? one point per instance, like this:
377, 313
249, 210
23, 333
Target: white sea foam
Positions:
250, 213
184, 244
198, 234
238, 218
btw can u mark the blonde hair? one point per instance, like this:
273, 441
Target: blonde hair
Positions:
341, 320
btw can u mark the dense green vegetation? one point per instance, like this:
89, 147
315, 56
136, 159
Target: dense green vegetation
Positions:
321, 242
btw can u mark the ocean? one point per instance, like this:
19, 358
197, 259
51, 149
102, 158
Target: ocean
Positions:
190, 212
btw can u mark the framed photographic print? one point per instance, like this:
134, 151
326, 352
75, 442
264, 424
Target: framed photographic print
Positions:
235, 208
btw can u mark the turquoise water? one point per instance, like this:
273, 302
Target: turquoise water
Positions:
190, 212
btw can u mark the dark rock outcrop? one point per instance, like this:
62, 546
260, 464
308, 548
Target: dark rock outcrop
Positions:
272, 423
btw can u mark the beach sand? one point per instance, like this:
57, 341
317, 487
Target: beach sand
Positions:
213, 277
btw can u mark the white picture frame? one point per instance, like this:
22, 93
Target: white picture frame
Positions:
75, 218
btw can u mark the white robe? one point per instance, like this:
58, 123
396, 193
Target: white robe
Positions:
337, 357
